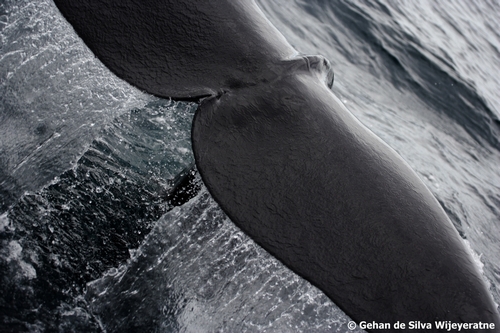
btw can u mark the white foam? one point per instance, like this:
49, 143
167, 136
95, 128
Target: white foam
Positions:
15, 250
5, 222
25, 270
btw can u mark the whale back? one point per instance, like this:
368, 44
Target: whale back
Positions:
180, 49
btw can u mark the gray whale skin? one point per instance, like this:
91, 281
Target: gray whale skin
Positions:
288, 163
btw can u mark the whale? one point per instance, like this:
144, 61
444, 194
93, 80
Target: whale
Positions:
289, 164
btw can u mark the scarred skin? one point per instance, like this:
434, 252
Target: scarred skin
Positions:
287, 161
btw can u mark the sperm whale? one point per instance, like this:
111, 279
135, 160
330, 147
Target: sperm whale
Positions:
288, 163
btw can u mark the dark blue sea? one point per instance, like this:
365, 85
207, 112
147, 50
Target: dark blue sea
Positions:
90, 240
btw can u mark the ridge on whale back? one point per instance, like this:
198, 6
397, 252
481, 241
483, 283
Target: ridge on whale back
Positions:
288, 163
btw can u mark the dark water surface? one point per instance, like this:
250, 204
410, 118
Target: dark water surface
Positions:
91, 242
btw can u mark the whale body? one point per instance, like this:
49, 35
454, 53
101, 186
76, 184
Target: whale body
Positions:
288, 163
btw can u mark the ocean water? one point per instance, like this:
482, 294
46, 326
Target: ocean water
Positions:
90, 239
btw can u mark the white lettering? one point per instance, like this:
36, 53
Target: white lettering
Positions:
412, 325
449, 326
374, 325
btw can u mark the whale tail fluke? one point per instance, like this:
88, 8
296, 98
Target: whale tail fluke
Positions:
287, 162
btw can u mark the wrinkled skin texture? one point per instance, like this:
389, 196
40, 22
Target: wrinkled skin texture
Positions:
328, 198
180, 49
288, 163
